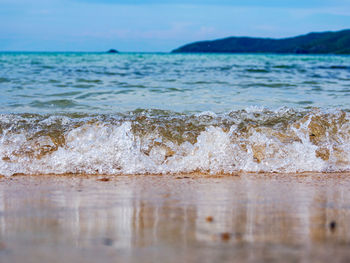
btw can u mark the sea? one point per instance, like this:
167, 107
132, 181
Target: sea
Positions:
158, 113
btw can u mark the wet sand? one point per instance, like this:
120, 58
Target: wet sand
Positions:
187, 218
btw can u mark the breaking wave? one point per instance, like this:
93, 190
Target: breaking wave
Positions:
163, 142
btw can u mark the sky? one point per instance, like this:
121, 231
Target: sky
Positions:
155, 25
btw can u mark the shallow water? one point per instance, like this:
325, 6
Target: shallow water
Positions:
110, 83
173, 113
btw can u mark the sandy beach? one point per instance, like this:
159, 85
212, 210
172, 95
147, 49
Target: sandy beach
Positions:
175, 218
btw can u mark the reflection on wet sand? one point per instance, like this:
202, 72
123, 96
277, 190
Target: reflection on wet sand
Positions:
162, 219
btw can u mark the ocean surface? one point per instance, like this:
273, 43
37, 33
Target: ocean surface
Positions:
139, 113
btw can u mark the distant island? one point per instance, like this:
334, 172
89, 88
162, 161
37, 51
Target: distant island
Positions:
312, 43
112, 51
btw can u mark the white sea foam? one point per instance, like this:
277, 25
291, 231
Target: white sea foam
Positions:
116, 148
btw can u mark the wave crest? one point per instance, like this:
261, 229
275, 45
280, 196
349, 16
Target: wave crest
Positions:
141, 142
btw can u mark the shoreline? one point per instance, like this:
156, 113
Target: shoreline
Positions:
246, 218
190, 175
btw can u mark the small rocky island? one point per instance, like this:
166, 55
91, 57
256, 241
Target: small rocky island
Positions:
112, 51
312, 43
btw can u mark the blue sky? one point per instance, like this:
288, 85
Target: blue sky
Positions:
154, 25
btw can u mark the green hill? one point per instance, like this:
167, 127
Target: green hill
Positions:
312, 43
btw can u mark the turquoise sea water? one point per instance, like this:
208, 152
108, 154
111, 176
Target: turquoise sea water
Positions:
110, 83
170, 113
